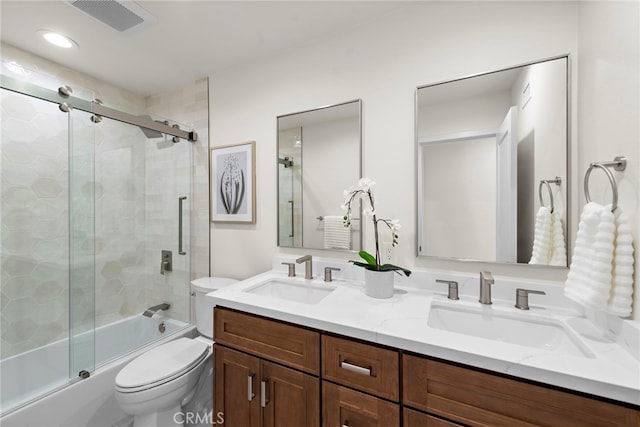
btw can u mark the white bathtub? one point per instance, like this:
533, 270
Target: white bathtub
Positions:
25, 377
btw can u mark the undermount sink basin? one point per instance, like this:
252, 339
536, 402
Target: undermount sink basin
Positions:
302, 292
542, 333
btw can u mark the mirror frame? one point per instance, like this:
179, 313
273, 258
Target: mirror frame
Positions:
567, 179
360, 162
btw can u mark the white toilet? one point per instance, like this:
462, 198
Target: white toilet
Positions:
156, 386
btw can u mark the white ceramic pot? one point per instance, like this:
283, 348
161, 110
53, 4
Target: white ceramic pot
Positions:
378, 284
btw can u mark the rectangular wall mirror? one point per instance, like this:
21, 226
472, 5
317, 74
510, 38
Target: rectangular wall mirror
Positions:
491, 152
319, 156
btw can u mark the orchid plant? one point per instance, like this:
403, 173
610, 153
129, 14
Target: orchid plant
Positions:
364, 191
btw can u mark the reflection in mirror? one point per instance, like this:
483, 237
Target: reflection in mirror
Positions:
492, 159
319, 156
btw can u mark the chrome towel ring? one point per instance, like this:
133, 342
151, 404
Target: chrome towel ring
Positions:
619, 164
546, 182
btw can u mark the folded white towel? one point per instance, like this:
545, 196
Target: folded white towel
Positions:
620, 299
336, 235
590, 273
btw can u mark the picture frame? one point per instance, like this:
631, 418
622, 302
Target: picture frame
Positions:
233, 183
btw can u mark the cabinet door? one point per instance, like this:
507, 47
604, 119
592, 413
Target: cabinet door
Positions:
342, 406
289, 397
236, 387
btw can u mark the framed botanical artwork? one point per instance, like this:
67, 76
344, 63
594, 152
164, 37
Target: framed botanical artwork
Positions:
233, 183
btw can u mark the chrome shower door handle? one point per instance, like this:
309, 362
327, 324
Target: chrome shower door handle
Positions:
180, 250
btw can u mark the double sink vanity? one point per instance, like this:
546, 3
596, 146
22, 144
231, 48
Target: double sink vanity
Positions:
312, 351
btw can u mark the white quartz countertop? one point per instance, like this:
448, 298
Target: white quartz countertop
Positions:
606, 370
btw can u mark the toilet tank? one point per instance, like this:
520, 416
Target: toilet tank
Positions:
203, 309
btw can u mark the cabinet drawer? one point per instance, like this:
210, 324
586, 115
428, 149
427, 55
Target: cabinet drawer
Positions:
280, 342
418, 419
361, 366
480, 399
342, 406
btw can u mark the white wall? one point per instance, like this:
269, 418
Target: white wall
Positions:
383, 63
609, 107
424, 43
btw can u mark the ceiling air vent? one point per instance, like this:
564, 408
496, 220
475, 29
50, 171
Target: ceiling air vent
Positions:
124, 16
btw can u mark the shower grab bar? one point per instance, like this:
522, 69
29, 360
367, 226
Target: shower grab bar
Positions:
546, 182
180, 250
619, 164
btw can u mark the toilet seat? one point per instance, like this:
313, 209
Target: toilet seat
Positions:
161, 365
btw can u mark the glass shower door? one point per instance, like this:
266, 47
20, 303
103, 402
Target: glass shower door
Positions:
82, 284
142, 209
41, 246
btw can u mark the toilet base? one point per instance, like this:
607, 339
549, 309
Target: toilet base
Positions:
171, 417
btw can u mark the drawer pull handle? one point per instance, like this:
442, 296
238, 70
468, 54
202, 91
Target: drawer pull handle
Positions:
263, 393
355, 368
250, 393
345, 424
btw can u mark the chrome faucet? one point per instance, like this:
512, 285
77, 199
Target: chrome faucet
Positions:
149, 312
308, 267
486, 280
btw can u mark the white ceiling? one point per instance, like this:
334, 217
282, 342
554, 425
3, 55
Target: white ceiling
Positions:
189, 40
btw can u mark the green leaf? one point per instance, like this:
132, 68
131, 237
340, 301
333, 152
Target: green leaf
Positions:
369, 258
391, 267
363, 265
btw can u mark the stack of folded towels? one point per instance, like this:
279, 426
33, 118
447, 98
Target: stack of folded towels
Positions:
548, 241
601, 272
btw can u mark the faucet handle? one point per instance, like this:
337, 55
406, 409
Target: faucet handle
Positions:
327, 273
453, 288
522, 297
292, 268
486, 276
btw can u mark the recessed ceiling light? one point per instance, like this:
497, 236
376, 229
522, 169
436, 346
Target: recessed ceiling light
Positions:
58, 39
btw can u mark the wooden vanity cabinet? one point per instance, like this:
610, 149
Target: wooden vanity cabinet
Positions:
252, 387
477, 398
269, 373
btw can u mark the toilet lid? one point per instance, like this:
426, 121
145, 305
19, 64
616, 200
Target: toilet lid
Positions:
162, 363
